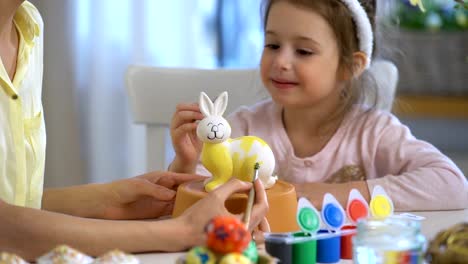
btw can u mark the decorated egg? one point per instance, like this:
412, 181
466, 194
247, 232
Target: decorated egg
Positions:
235, 258
227, 234
116, 257
64, 254
200, 255
251, 252
9, 258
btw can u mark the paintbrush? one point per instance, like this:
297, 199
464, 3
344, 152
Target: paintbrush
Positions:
251, 198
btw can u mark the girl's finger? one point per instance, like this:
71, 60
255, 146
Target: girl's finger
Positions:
183, 130
188, 106
184, 117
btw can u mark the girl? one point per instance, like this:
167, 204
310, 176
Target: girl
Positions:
323, 137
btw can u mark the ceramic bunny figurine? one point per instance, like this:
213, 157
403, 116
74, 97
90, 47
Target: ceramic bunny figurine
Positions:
225, 157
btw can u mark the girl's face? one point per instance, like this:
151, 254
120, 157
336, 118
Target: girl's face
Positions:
299, 64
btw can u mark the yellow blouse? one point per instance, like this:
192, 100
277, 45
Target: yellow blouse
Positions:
22, 128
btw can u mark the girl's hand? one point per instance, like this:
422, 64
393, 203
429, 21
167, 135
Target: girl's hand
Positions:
186, 144
197, 216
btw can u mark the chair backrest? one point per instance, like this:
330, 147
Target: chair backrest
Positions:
154, 93
385, 74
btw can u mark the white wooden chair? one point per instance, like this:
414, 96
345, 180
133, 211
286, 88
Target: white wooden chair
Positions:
154, 93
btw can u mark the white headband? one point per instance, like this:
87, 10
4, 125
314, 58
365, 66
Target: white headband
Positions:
364, 28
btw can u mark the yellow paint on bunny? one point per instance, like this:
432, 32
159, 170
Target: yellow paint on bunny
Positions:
243, 167
248, 141
214, 157
235, 159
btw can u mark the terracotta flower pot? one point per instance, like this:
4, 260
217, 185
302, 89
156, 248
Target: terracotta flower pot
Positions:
282, 201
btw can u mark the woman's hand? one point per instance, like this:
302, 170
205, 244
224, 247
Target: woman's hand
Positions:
186, 144
197, 216
149, 195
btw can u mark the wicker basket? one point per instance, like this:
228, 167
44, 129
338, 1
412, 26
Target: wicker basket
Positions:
431, 63
449, 246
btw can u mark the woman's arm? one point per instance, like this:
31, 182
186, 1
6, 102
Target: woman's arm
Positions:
30, 233
149, 195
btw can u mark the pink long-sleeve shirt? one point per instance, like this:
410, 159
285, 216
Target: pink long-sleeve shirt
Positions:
369, 145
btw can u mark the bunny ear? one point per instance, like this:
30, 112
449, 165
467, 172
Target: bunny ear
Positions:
220, 104
206, 106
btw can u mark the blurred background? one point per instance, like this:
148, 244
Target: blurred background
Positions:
89, 45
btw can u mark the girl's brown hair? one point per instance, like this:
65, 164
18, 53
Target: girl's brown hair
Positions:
340, 20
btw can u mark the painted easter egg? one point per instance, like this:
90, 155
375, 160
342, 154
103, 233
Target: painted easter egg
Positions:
235, 258
64, 254
227, 234
116, 257
10, 258
251, 252
200, 255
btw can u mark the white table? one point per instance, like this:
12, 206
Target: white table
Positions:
434, 222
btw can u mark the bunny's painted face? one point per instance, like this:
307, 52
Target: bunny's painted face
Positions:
213, 128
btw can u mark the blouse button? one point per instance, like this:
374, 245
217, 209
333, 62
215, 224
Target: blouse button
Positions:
308, 163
